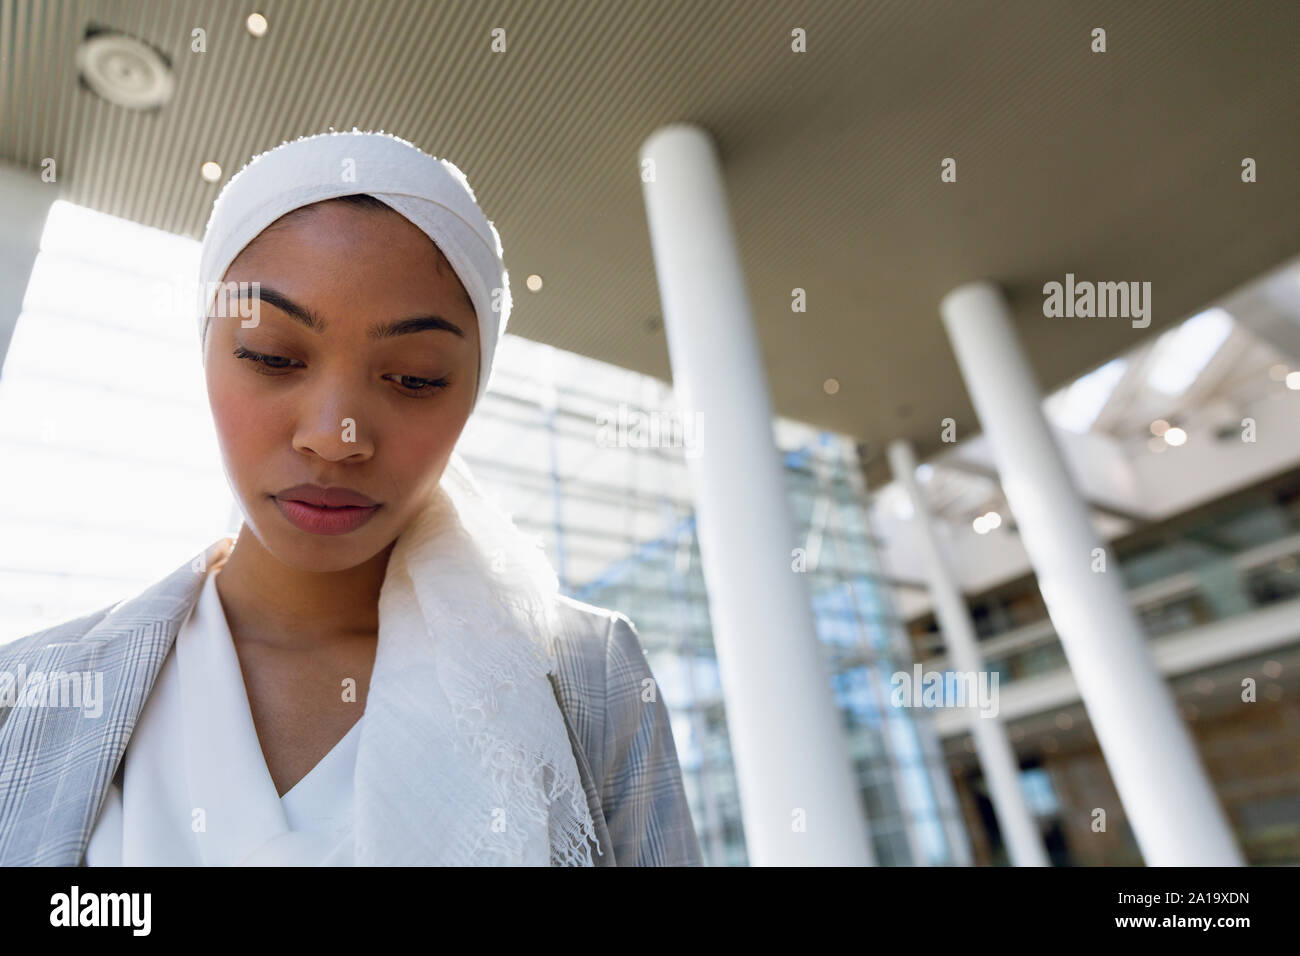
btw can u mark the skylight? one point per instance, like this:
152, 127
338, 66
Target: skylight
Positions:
1181, 354
1076, 407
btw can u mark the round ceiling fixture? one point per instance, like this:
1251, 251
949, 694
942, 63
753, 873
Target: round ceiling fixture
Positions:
125, 71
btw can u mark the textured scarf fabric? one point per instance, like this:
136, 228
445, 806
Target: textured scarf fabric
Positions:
464, 758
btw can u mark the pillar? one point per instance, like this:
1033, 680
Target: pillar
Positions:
1167, 797
800, 798
996, 757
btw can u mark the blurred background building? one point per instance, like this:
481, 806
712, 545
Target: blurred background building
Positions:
1181, 437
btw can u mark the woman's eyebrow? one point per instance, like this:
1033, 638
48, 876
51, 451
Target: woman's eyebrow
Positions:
384, 330
419, 323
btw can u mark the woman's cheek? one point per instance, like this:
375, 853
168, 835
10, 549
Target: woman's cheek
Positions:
243, 426
417, 466
411, 460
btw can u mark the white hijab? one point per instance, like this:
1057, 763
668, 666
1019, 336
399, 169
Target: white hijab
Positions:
464, 757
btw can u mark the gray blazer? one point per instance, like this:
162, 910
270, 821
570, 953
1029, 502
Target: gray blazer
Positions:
56, 763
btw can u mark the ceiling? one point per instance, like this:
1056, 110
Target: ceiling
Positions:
1116, 166
1237, 375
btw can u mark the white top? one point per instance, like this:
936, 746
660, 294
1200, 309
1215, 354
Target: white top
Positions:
197, 791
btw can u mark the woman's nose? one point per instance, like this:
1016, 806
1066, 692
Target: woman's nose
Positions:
333, 424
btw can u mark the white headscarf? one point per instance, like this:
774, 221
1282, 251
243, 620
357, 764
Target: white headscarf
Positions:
464, 757
432, 193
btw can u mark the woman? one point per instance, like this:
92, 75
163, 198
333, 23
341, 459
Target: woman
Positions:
378, 669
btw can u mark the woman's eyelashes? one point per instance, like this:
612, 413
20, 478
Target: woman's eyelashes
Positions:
410, 385
267, 361
423, 386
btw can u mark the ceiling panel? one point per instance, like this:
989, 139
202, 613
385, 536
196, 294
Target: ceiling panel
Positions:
1123, 165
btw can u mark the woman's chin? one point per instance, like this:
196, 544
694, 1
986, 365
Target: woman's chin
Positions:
320, 553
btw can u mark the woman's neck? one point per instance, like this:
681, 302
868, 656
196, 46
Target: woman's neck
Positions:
269, 601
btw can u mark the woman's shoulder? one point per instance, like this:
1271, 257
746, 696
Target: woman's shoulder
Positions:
585, 620
597, 634
599, 655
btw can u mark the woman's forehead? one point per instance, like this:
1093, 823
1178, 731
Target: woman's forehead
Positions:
377, 227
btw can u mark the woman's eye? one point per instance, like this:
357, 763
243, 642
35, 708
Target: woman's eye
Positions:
412, 385
269, 361
421, 386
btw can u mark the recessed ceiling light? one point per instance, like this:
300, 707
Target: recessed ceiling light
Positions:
125, 71
1293, 381
981, 525
992, 520
256, 24
210, 171
831, 386
534, 283
1175, 437
1159, 427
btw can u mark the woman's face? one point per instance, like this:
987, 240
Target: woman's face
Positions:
343, 404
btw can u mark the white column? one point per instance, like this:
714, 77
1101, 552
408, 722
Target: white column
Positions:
1170, 804
997, 759
800, 798
936, 764
26, 201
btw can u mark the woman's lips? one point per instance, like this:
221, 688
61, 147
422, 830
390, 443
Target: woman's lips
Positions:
316, 520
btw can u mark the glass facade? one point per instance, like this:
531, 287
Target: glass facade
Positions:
593, 459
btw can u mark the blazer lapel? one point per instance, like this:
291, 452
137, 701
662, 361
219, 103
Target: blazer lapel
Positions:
56, 762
